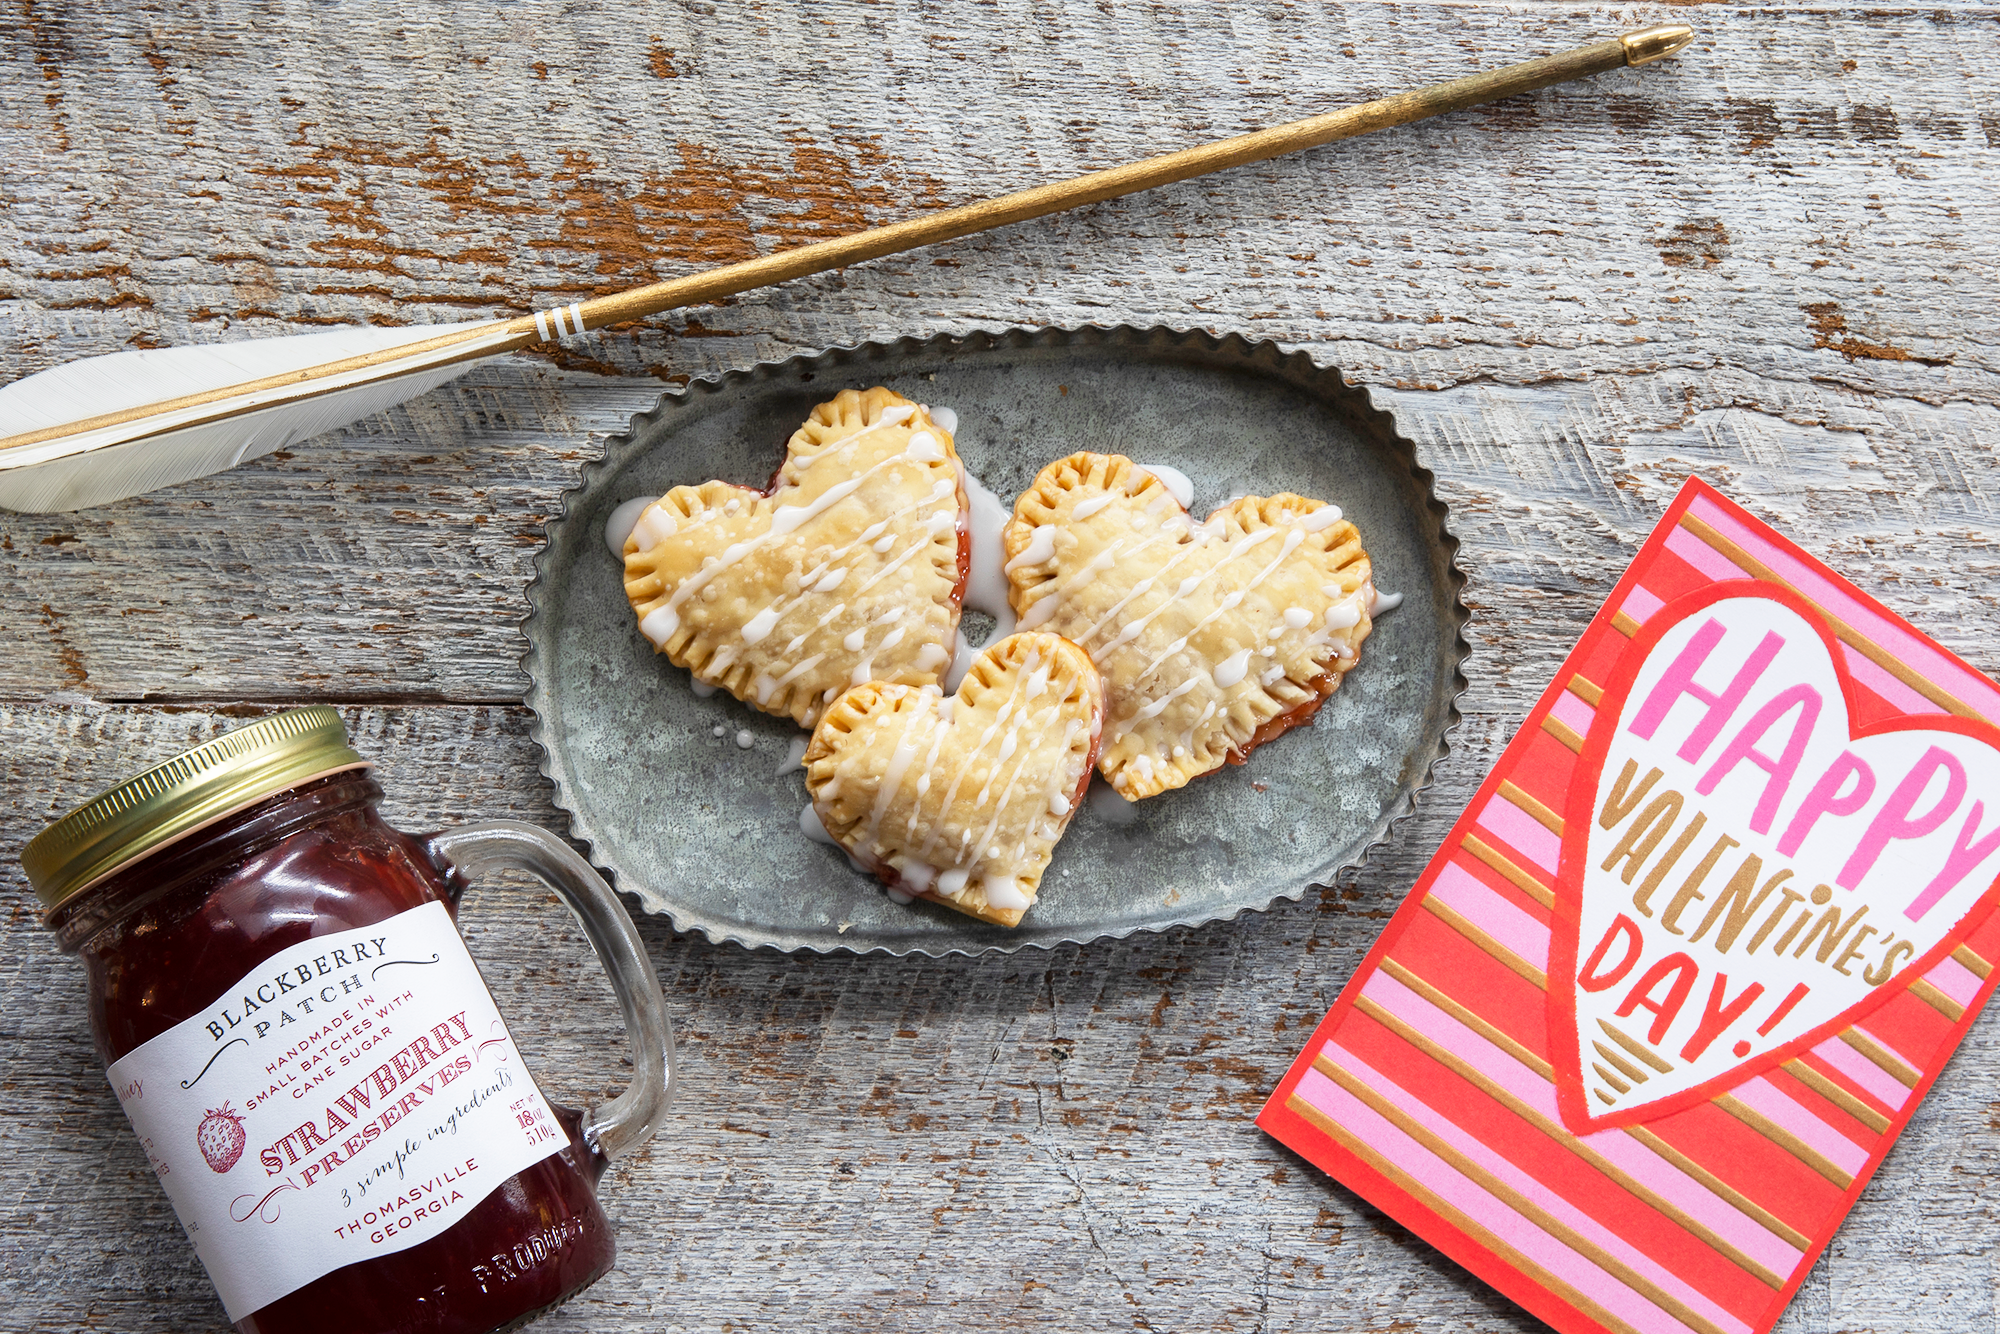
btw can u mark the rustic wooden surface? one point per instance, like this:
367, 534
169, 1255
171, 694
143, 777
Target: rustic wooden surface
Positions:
1770, 261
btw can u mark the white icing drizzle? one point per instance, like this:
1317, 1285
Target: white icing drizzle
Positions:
892, 778
946, 419
1177, 483
1004, 891
744, 740
659, 624
704, 689
962, 656
1041, 547
827, 577
986, 581
1159, 706
894, 415
973, 861
618, 525
653, 526
1381, 602
1127, 538
795, 755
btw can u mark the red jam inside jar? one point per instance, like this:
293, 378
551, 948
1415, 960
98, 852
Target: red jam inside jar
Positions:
167, 934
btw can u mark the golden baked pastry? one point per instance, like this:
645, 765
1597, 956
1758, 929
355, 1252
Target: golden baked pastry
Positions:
961, 799
849, 569
1212, 637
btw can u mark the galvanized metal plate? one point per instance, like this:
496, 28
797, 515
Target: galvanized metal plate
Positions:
706, 830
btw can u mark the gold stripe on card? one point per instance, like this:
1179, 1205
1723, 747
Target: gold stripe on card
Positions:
1785, 1140
1469, 1018
1544, 817
1637, 1048
1618, 1085
1624, 1067
1563, 732
1462, 924
1452, 1214
1586, 689
1560, 1136
1514, 874
1980, 968
1842, 631
1494, 1185
1891, 1064
1937, 1000
1625, 625
1721, 1189
1837, 1095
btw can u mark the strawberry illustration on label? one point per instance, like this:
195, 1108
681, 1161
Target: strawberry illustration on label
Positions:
221, 1137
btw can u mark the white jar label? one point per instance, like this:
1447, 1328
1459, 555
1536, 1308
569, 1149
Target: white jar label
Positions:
348, 1098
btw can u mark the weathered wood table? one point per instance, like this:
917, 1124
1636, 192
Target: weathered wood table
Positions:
1771, 261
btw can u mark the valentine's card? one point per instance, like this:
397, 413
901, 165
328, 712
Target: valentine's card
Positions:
1687, 963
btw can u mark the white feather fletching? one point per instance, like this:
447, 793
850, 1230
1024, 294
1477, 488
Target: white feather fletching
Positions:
112, 462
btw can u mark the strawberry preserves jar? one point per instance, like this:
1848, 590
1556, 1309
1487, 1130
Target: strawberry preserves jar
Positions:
316, 1070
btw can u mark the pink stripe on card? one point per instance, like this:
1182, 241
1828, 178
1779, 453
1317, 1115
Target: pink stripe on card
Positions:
1703, 556
1914, 1067
1874, 1080
1955, 980
1640, 605
1832, 594
1627, 1154
1865, 670
1469, 897
1586, 1228
1573, 711
1475, 1202
1529, 837
1771, 1103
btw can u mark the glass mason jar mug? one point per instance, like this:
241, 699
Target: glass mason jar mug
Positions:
316, 1070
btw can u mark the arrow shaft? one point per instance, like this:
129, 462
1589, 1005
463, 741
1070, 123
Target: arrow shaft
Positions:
138, 422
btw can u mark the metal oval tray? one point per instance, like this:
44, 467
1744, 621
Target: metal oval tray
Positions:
707, 832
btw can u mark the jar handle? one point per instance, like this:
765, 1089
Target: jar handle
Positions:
631, 1118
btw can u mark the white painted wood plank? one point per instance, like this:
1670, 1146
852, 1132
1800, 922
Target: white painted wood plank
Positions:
1768, 261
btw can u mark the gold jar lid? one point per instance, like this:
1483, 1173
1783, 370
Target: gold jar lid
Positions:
192, 790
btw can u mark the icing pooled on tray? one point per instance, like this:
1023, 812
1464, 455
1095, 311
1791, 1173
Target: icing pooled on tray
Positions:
986, 585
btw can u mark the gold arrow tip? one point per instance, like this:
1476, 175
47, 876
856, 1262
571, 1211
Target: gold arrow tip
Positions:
1649, 44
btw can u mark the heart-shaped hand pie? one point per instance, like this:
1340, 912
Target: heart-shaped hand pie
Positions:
961, 800
1213, 637
850, 569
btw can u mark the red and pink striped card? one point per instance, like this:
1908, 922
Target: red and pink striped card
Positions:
1684, 968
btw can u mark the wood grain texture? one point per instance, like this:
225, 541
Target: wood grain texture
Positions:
1769, 261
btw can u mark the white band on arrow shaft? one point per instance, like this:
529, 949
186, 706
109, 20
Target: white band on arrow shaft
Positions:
574, 324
